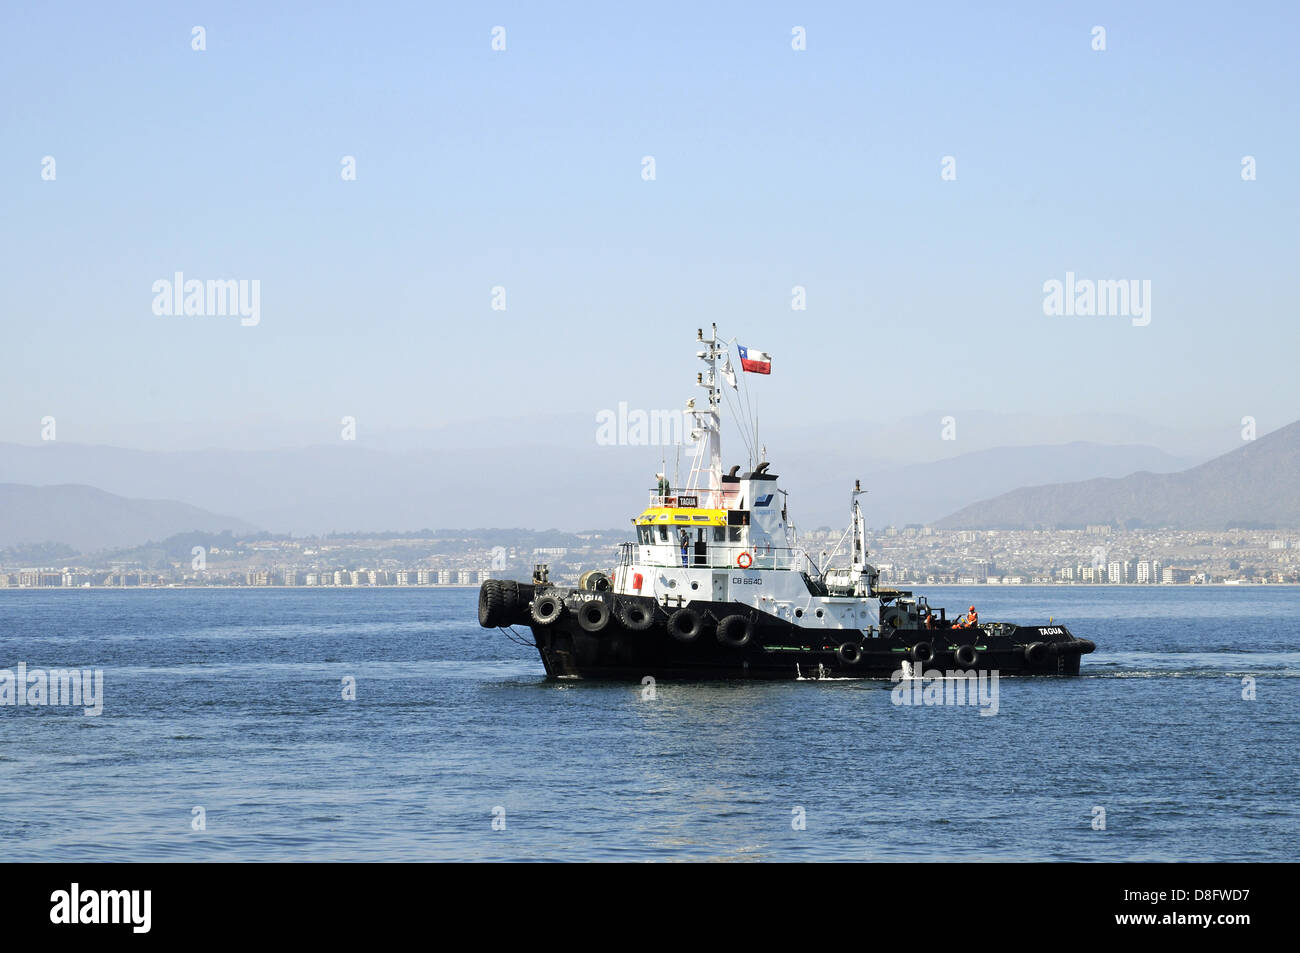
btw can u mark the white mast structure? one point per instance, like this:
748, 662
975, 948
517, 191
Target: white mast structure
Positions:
860, 567
706, 429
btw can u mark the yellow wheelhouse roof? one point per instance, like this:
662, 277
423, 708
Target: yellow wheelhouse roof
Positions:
681, 516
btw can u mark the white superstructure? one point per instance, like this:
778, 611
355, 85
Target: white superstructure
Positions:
727, 537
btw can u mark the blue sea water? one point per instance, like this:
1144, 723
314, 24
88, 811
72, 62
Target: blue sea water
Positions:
231, 700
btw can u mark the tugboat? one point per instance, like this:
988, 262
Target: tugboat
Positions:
716, 586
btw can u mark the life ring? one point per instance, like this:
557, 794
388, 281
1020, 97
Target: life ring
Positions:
744, 560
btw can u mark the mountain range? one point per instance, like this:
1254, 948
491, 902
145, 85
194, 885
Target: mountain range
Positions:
1254, 486
346, 488
551, 474
88, 519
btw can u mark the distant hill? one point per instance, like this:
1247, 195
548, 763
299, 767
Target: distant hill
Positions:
923, 492
556, 475
1256, 485
88, 519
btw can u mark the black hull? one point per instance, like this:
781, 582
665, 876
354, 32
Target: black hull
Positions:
774, 649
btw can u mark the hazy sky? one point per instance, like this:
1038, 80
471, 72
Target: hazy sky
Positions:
523, 168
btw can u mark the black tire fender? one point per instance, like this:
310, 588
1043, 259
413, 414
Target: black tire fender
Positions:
685, 625
510, 596
735, 631
593, 615
1077, 647
1039, 653
850, 653
547, 608
636, 616
922, 652
491, 605
966, 656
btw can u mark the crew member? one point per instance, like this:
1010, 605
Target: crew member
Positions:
685, 541
970, 620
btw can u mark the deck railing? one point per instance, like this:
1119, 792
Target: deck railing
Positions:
696, 498
719, 556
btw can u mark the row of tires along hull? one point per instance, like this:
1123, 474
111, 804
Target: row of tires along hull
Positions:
599, 635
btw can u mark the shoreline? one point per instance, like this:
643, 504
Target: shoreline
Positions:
911, 586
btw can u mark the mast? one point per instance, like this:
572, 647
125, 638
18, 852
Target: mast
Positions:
706, 429
859, 532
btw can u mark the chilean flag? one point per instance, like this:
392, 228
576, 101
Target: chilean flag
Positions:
756, 362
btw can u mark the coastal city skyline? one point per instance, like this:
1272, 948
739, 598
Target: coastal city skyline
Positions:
905, 556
